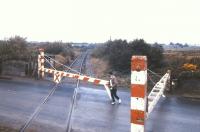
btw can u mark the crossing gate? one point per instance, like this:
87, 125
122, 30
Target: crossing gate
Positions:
57, 75
142, 105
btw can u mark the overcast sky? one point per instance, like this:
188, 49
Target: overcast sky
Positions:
160, 21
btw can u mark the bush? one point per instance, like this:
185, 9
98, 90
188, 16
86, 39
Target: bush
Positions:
15, 48
119, 52
56, 48
189, 75
189, 67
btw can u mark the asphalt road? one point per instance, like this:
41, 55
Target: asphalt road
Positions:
173, 114
93, 111
19, 99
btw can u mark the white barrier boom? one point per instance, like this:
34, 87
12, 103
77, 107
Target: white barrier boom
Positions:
157, 92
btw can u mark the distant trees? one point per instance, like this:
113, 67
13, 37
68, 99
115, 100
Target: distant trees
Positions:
64, 49
53, 48
17, 48
178, 45
119, 52
13, 48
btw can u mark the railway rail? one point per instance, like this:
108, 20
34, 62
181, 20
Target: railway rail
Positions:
76, 66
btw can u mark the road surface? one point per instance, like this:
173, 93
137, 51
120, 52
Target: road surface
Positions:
93, 111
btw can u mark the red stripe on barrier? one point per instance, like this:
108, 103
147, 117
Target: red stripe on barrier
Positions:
76, 76
67, 75
41, 58
137, 117
57, 76
62, 74
96, 81
138, 63
86, 78
138, 90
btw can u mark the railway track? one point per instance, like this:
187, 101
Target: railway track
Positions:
77, 66
68, 129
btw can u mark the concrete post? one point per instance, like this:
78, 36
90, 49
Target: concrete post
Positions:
138, 92
41, 63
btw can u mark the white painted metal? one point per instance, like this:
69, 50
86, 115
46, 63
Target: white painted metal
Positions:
56, 77
39, 65
139, 77
137, 128
157, 92
42, 63
80, 77
137, 103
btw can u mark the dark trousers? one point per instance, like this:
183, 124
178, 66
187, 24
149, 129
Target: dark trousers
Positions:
114, 94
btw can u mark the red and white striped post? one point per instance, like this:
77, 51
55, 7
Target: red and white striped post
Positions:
138, 92
41, 63
39, 66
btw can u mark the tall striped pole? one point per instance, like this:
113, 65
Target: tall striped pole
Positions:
41, 63
138, 92
39, 66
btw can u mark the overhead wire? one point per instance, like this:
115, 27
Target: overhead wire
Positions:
64, 65
154, 73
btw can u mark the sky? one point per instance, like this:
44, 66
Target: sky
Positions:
161, 21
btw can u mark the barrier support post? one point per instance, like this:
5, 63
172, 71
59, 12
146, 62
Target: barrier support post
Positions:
138, 92
41, 63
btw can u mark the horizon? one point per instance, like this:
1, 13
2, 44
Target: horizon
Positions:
95, 21
96, 42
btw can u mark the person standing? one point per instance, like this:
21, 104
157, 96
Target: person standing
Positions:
113, 88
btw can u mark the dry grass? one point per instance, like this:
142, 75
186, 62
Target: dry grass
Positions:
175, 60
100, 67
124, 81
77, 52
182, 54
64, 60
60, 58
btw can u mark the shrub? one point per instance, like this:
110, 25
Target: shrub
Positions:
188, 75
56, 48
119, 52
190, 67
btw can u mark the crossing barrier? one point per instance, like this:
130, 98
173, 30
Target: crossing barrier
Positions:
157, 92
57, 75
141, 104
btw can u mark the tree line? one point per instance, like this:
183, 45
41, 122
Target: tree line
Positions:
18, 48
119, 52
